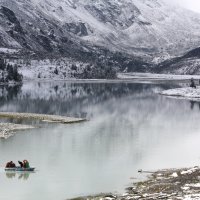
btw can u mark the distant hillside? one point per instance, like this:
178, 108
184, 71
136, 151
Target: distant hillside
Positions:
139, 27
187, 64
128, 35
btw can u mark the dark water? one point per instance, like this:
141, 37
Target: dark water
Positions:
130, 127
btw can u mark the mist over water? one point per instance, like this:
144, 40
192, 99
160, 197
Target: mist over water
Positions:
130, 127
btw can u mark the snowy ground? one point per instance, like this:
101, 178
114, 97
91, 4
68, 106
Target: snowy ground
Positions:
67, 69
186, 93
8, 51
150, 76
49, 69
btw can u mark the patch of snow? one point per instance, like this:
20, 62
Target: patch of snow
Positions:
54, 69
8, 51
125, 194
185, 188
192, 197
197, 185
175, 175
109, 198
151, 76
188, 92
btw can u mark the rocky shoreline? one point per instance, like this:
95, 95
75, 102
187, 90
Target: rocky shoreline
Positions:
8, 129
171, 184
42, 117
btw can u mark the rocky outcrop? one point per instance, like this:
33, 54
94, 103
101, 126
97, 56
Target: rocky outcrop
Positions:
12, 20
79, 29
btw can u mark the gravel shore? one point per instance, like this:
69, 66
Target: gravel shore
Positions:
42, 117
8, 129
171, 184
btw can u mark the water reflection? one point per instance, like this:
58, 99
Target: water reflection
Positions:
9, 92
193, 103
65, 98
130, 128
19, 175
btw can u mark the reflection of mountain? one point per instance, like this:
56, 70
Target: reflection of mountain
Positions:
65, 98
138, 125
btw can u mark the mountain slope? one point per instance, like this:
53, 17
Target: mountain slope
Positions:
186, 64
139, 27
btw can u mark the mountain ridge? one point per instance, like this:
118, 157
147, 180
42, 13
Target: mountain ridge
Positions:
131, 34
131, 26
189, 63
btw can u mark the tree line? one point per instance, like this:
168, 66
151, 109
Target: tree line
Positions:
9, 72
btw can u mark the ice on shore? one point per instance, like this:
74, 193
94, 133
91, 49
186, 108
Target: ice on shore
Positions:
188, 93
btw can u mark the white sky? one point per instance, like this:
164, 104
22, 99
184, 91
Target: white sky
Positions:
190, 4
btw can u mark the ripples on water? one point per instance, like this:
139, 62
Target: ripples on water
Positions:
130, 128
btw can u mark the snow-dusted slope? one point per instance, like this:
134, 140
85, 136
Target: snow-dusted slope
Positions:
186, 64
134, 26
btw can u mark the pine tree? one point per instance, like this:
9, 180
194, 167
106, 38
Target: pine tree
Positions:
2, 64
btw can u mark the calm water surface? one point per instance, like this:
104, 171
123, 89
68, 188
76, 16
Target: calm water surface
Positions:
130, 127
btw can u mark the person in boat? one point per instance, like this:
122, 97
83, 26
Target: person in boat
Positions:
21, 164
26, 164
10, 164
192, 84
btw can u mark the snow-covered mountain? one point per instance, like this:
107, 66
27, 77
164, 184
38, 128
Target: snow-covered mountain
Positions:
186, 64
141, 27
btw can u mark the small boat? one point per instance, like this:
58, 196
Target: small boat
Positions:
20, 169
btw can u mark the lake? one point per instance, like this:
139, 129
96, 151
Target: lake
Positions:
129, 127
